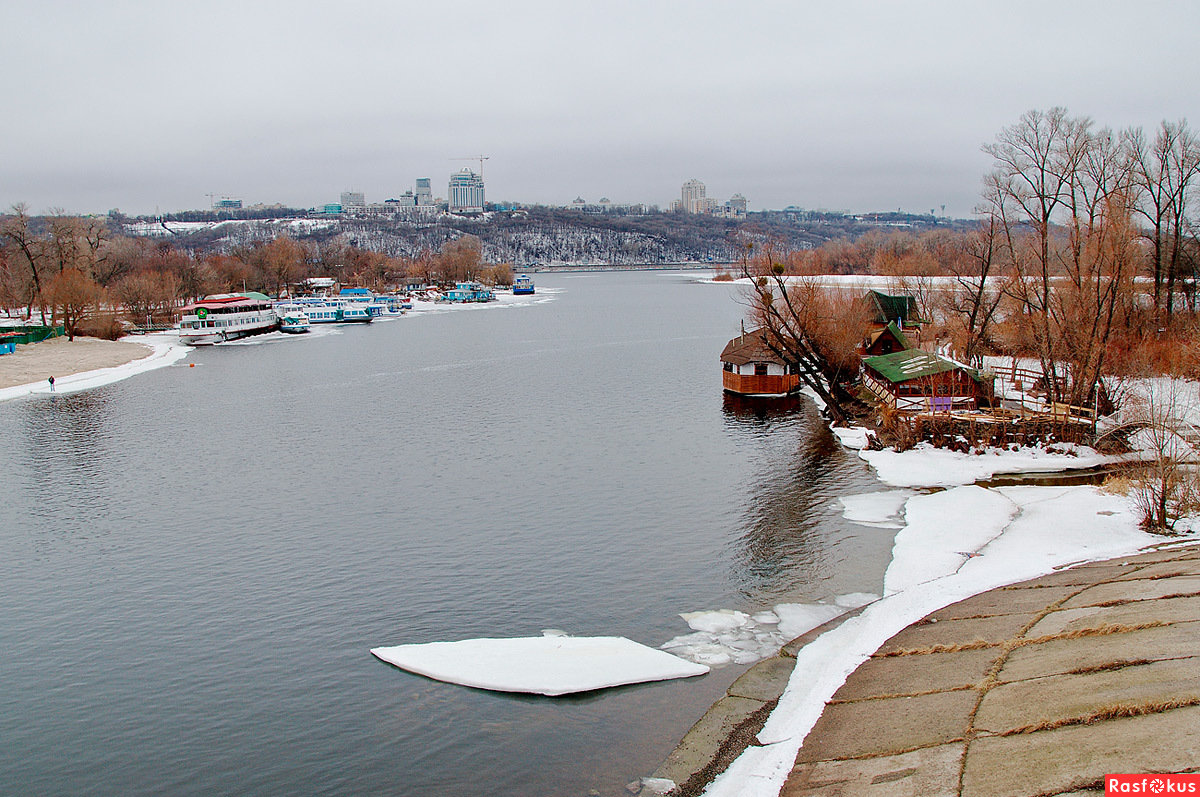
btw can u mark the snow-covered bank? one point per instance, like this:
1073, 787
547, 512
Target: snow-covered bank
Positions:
165, 350
926, 466
954, 543
1013, 534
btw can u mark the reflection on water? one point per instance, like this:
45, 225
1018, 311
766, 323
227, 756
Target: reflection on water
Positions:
754, 410
68, 441
787, 523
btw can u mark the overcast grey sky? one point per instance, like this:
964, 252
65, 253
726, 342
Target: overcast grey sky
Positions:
834, 104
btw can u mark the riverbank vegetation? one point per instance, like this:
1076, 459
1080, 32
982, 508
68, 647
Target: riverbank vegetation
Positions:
1082, 268
1085, 259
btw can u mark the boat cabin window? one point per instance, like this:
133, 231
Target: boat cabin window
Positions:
760, 369
729, 367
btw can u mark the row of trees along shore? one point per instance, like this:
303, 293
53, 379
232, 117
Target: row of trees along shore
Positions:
82, 274
1084, 259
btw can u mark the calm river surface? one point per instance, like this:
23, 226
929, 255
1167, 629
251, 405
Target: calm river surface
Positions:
196, 561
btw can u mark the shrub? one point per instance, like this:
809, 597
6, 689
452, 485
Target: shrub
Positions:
106, 326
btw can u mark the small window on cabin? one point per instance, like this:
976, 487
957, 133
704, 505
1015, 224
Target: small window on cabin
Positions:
943, 390
729, 367
760, 369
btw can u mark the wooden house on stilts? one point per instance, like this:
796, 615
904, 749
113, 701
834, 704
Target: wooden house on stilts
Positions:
750, 368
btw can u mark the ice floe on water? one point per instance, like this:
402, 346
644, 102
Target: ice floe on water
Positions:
881, 510
552, 664
727, 636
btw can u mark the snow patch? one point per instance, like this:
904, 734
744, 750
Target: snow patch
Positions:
926, 466
855, 437
943, 531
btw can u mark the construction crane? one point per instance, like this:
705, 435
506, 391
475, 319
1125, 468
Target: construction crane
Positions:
480, 158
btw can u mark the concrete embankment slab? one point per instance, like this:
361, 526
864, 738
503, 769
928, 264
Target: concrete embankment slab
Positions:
1034, 689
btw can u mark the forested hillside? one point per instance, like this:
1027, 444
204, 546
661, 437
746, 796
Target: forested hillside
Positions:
536, 235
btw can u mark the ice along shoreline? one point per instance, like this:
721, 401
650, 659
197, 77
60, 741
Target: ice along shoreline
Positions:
746, 744
163, 350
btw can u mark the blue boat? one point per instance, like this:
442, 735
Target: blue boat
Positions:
469, 292
522, 285
331, 311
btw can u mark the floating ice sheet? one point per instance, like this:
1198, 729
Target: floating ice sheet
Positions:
545, 665
726, 636
881, 510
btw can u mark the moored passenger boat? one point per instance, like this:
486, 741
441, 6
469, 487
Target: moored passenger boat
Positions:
523, 285
294, 321
227, 316
355, 312
469, 292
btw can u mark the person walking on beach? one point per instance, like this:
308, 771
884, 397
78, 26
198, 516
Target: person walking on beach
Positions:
51, 384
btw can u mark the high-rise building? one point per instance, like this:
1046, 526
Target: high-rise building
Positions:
353, 199
424, 191
692, 197
466, 192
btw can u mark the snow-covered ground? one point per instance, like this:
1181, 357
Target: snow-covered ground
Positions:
954, 543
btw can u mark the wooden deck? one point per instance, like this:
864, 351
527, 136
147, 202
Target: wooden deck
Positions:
759, 384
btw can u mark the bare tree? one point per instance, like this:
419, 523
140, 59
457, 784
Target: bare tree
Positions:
74, 242
976, 295
813, 330
281, 261
73, 294
1164, 173
460, 259
30, 249
1166, 486
1061, 194
147, 295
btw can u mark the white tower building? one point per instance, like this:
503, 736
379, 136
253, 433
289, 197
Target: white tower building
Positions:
692, 197
466, 192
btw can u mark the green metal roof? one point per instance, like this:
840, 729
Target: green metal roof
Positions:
892, 308
902, 366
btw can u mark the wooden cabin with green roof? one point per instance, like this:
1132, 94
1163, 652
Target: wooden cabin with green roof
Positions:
917, 381
888, 340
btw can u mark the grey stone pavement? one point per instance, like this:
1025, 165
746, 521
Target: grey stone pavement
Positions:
1040, 688
1031, 690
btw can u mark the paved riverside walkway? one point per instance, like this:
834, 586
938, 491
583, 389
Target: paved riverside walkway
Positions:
1039, 688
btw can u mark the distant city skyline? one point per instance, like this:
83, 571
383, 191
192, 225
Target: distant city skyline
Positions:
855, 106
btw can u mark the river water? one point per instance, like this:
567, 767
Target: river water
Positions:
197, 560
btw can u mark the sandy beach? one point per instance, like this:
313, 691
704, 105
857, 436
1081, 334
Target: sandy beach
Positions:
58, 357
